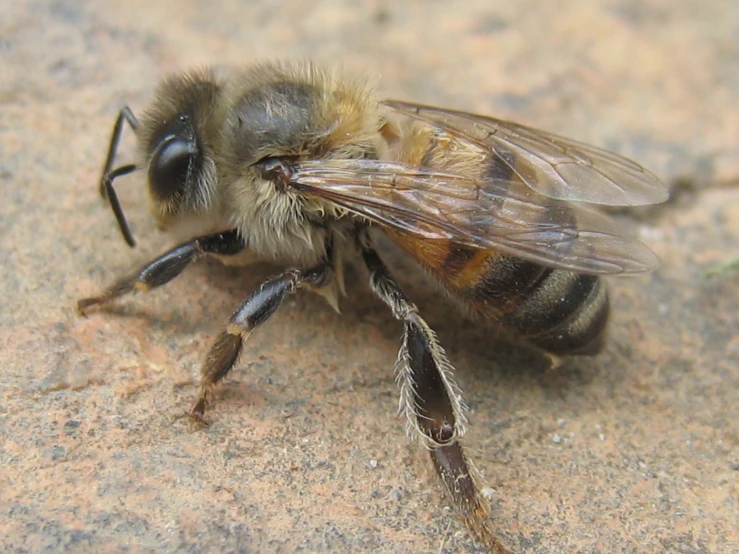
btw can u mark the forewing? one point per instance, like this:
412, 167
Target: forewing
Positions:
505, 216
554, 166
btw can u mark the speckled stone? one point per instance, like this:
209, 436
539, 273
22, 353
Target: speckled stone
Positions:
634, 451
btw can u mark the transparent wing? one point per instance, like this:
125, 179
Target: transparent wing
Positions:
551, 165
501, 215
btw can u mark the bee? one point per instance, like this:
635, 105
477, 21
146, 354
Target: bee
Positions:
304, 166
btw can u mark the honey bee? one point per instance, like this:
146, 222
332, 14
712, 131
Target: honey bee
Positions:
301, 165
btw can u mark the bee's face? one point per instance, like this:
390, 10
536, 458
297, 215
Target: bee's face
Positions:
176, 140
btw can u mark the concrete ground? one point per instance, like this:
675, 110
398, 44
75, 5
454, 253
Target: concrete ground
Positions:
634, 451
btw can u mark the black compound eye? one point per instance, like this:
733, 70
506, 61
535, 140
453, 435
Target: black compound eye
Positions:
171, 166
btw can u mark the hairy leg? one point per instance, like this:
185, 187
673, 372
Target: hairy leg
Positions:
432, 402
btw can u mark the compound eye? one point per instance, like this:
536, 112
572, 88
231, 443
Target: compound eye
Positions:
171, 167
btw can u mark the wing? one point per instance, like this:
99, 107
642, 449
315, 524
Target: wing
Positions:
551, 165
495, 214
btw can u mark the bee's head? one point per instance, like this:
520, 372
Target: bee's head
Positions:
175, 136
176, 143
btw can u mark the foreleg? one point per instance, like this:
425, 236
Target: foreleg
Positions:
167, 266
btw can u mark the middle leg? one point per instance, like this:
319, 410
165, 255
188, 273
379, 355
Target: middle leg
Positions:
254, 311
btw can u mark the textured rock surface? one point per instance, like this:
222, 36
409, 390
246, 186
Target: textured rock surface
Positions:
635, 451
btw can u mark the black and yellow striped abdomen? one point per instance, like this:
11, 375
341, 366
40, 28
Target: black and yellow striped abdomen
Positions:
559, 311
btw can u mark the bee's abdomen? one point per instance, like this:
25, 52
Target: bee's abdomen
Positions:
559, 311
562, 312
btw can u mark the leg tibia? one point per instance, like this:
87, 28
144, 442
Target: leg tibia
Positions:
254, 311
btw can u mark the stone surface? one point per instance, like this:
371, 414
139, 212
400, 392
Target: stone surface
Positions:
634, 451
